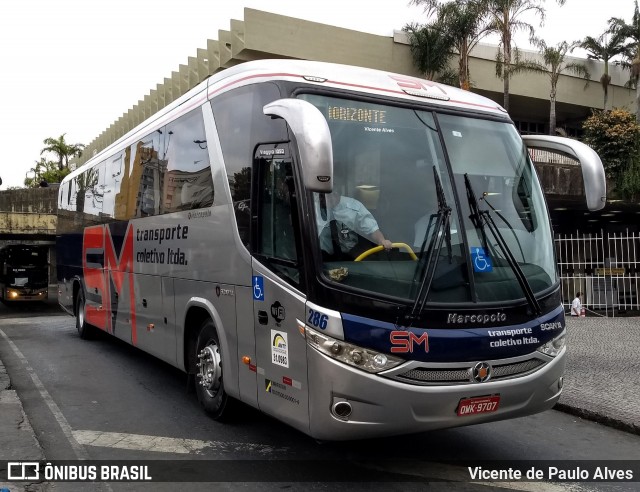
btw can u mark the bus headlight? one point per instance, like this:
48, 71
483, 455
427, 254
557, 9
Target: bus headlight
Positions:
12, 294
555, 346
353, 355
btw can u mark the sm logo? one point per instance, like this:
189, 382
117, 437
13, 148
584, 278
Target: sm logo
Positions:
416, 84
104, 270
403, 342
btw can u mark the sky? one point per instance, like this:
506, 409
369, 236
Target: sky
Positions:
73, 66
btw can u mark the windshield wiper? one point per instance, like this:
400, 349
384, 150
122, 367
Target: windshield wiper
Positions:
480, 218
441, 232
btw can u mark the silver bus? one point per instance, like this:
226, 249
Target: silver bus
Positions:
354, 252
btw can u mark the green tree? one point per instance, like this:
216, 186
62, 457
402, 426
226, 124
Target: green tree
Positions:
461, 25
466, 22
632, 54
507, 19
614, 135
554, 64
431, 49
603, 48
62, 150
46, 171
628, 183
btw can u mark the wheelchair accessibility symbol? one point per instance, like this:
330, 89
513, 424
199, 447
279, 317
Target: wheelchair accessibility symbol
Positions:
258, 288
481, 262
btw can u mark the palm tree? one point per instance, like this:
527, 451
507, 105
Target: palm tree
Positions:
466, 23
555, 64
506, 20
604, 48
632, 32
431, 48
62, 150
461, 24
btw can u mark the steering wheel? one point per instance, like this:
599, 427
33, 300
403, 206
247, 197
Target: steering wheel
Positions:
377, 249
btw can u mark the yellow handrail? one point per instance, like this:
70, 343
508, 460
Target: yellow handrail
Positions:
376, 249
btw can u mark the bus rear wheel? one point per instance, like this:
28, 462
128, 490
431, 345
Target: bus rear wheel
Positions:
85, 330
209, 381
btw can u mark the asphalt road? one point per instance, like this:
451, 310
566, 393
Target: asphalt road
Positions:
103, 399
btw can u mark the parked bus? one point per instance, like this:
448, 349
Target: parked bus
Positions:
24, 273
354, 252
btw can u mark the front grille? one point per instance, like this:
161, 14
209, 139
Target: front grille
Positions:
437, 375
462, 374
517, 369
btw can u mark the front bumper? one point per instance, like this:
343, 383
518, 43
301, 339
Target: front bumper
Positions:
13, 295
384, 407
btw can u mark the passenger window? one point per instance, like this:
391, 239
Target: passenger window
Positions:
145, 162
91, 190
187, 182
113, 180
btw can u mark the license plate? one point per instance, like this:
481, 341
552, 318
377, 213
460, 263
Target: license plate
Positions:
475, 406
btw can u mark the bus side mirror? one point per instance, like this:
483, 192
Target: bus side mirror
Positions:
314, 141
595, 184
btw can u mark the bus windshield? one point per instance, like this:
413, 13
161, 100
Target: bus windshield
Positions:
25, 256
403, 176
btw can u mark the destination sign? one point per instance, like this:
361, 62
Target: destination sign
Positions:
359, 115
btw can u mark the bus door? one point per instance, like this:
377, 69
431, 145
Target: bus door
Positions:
155, 316
281, 364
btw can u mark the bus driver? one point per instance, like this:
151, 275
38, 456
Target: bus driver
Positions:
351, 219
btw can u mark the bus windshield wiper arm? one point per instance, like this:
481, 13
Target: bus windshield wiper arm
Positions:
480, 218
442, 230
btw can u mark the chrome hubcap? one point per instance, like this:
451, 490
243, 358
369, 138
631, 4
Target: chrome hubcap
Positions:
209, 368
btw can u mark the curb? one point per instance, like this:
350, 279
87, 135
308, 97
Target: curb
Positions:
598, 418
5, 382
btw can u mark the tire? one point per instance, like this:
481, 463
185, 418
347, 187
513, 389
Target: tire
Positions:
209, 381
85, 330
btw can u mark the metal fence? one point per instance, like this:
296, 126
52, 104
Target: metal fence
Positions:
604, 267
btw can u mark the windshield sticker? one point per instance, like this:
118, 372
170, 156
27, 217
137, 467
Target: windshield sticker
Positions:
279, 348
481, 262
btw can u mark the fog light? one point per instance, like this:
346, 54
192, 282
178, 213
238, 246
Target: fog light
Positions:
380, 361
336, 348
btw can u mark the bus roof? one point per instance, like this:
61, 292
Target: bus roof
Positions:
321, 74
353, 78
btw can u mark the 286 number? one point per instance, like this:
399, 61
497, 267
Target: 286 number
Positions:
317, 319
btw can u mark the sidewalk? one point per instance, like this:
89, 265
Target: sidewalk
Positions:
601, 384
16, 430
602, 380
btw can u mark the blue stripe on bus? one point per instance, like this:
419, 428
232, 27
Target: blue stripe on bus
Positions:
457, 344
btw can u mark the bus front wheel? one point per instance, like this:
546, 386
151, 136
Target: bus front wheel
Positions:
209, 382
85, 330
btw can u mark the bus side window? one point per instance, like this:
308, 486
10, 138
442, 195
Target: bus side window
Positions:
187, 182
147, 169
